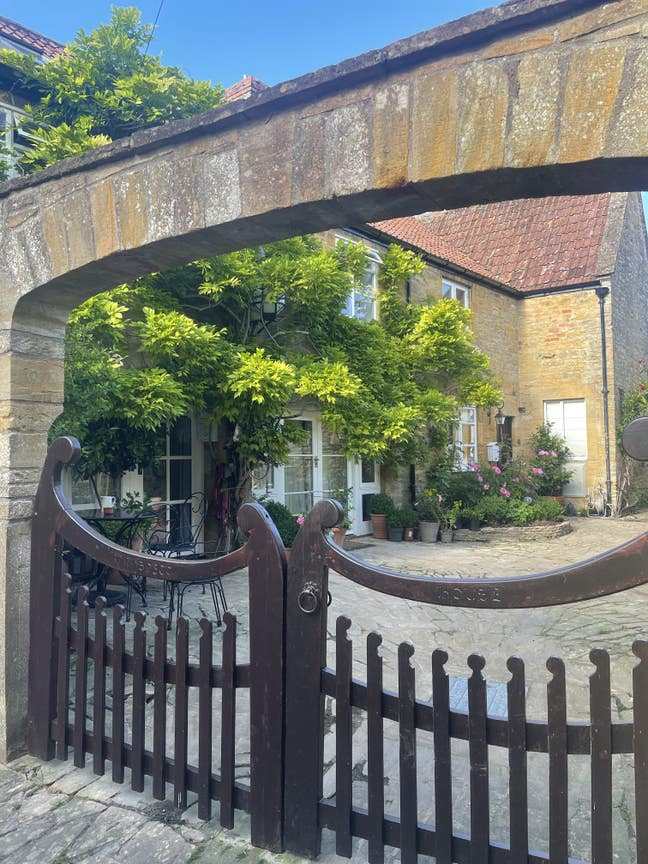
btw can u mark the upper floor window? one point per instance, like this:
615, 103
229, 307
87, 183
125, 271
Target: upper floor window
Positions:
13, 139
361, 303
453, 291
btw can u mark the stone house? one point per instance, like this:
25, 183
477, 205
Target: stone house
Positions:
14, 93
538, 274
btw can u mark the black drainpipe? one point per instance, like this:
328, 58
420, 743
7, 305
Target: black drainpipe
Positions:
602, 292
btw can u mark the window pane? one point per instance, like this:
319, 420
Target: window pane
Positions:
334, 474
368, 471
446, 289
299, 502
180, 437
82, 492
155, 480
180, 477
363, 307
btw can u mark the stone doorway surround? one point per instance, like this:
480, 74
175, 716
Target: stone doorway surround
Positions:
538, 97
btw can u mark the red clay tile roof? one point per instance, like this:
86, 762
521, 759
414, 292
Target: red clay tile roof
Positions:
413, 231
243, 89
532, 244
30, 39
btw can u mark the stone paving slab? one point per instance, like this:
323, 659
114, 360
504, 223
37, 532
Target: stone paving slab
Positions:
52, 813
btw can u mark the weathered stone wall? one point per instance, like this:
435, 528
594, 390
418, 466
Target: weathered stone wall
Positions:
542, 97
560, 358
628, 308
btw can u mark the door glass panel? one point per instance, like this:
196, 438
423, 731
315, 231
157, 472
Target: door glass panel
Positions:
334, 465
180, 437
368, 471
155, 485
298, 474
180, 477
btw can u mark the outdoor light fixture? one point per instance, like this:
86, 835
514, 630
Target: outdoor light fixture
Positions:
500, 418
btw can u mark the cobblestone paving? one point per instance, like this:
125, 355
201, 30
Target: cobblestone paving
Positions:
55, 814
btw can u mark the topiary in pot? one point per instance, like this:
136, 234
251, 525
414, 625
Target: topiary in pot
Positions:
379, 506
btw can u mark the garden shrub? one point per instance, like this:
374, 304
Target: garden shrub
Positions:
286, 523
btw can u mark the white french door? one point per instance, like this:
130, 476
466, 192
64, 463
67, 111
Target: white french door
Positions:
316, 468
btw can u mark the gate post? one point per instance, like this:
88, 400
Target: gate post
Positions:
45, 585
267, 580
306, 601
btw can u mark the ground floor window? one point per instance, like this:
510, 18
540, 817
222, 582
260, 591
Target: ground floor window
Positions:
464, 438
568, 419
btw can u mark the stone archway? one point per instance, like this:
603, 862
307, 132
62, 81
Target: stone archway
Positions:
533, 98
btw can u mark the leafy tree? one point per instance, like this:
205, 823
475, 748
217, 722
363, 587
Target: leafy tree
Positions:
197, 338
247, 338
103, 87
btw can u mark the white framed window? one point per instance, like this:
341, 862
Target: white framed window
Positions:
464, 438
12, 138
361, 303
568, 419
454, 291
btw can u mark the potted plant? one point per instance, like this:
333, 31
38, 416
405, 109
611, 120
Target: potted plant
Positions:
343, 497
395, 524
380, 505
449, 514
471, 518
286, 524
410, 522
428, 511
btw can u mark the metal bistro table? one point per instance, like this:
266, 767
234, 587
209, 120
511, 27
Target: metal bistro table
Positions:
124, 529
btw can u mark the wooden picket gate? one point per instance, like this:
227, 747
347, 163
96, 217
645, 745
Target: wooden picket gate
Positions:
288, 680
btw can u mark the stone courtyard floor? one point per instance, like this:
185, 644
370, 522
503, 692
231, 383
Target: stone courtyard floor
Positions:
54, 814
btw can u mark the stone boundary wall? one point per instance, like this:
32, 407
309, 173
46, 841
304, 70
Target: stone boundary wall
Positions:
527, 533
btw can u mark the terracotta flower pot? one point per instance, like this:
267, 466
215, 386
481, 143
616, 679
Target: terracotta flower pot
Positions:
379, 526
338, 536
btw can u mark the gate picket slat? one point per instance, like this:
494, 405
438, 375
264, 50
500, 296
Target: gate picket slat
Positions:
119, 648
205, 721
518, 790
557, 749
181, 715
99, 707
442, 758
601, 757
640, 743
63, 669
375, 751
139, 695
407, 753
159, 708
478, 753
228, 723
343, 737
81, 677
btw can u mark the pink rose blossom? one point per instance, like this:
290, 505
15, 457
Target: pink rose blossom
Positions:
538, 471
542, 453
487, 486
497, 469
300, 520
505, 491
554, 454
480, 478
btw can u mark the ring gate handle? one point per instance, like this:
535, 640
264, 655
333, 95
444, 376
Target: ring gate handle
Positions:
309, 598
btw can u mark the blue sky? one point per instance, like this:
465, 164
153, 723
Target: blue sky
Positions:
275, 41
